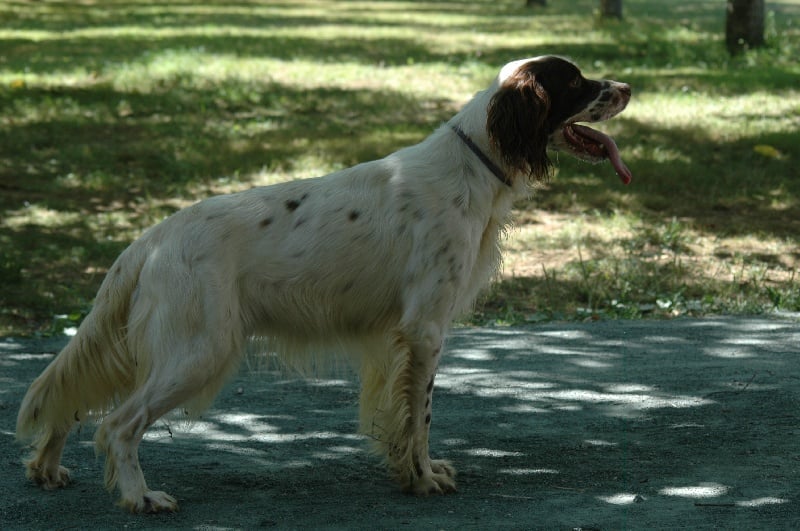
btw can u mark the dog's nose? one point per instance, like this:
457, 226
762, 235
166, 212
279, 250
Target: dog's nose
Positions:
625, 89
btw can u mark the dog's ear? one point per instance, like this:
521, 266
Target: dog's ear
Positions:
517, 123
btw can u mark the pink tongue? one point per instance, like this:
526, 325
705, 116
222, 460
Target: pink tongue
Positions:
611, 148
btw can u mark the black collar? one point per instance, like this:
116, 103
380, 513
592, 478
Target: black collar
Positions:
486, 160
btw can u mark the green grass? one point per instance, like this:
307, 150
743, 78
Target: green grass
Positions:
115, 114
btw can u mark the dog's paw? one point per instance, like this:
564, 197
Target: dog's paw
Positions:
152, 501
47, 479
438, 481
443, 466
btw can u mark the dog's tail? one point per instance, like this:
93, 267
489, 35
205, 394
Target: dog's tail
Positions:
94, 370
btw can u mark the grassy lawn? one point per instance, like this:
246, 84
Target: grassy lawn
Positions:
115, 114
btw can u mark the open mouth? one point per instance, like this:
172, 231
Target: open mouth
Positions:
591, 144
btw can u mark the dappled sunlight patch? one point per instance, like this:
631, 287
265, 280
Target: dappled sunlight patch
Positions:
768, 326
484, 382
629, 388
685, 425
574, 407
197, 68
755, 341
77, 77
162, 432
634, 401
623, 498
672, 340
244, 433
475, 355
463, 371
701, 491
262, 433
108, 225
761, 502
618, 400
659, 154
527, 409
727, 353
572, 335
553, 350
28, 357
489, 452
304, 436
34, 214
319, 382
591, 364
245, 451
764, 113
338, 452
600, 443
248, 421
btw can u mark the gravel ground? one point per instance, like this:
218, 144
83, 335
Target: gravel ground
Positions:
684, 424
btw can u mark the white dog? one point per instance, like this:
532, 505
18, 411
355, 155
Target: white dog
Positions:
376, 260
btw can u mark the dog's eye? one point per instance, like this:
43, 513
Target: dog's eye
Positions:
576, 83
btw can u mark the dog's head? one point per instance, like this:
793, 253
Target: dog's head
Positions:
537, 105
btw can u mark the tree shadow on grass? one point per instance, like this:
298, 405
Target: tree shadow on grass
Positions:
181, 135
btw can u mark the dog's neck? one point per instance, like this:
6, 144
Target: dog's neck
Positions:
494, 168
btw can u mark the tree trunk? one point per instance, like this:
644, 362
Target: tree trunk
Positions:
611, 8
744, 25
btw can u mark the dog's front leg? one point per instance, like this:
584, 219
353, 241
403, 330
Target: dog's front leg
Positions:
396, 412
429, 476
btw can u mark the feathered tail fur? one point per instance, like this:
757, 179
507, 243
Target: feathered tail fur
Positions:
93, 371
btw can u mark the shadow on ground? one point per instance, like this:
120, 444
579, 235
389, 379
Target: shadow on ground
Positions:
610, 425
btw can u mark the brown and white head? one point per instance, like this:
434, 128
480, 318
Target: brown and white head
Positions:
537, 104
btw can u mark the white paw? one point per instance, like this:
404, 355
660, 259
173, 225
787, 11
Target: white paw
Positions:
438, 481
49, 480
152, 501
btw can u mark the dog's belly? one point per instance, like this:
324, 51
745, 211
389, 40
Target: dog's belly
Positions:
309, 307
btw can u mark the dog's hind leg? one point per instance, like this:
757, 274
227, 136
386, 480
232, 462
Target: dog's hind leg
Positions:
119, 437
178, 378
396, 405
43, 467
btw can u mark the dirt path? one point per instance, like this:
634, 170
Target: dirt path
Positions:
689, 424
